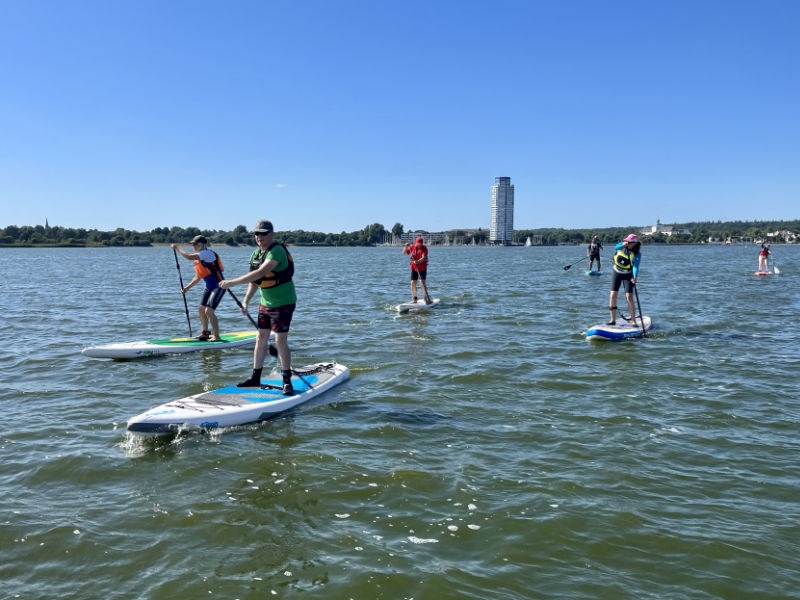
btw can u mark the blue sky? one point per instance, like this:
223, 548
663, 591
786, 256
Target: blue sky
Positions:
334, 114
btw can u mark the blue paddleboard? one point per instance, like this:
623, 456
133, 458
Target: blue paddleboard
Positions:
622, 330
233, 405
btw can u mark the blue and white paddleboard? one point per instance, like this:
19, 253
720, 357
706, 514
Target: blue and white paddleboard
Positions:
169, 346
419, 305
622, 330
233, 405
593, 272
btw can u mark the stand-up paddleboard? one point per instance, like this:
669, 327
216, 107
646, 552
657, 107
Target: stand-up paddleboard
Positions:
623, 329
168, 346
592, 272
419, 305
762, 273
233, 405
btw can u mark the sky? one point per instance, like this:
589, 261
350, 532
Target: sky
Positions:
330, 115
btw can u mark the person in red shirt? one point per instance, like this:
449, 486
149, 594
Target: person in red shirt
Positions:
419, 268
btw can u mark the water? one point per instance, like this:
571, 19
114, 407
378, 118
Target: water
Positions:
482, 450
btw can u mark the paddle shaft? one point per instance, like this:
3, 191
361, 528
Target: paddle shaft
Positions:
180, 279
241, 307
567, 268
425, 294
220, 278
272, 350
638, 304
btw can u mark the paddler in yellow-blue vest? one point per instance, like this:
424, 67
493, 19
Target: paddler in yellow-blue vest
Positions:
626, 267
271, 271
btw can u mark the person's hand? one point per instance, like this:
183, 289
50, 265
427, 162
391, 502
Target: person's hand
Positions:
183, 290
174, 246
244, 309
633, 280
224, 284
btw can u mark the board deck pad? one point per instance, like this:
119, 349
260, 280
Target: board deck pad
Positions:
230, 406
622, 330
178, 345
420, 305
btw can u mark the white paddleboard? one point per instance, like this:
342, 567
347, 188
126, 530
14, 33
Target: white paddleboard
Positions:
419, 305
168, 346
233, 405
622, 330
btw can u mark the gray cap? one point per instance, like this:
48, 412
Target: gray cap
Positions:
199, 239
263, 226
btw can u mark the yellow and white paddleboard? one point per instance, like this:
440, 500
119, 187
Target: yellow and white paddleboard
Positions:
145, 348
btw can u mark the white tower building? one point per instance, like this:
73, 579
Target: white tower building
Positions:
501, 230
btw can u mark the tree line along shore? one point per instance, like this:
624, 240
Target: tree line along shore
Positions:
376, 234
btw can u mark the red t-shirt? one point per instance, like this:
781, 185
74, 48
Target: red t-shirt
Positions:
417, 254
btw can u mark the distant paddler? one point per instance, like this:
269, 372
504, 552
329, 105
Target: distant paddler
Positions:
763, 258
419, 268
208, 268
593, 252
626, 260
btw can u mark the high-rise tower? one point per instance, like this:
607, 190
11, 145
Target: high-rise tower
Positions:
501, 230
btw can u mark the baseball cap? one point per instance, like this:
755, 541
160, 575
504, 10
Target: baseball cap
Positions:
263, 226
419, 241
199, 239
632, 238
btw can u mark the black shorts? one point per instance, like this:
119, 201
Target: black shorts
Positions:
276, 319
622, 278
594, 255
212, 298
419, 275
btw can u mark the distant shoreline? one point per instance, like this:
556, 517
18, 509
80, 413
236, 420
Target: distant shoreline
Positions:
693, 233
438, 247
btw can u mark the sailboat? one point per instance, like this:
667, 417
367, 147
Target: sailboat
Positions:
528, 242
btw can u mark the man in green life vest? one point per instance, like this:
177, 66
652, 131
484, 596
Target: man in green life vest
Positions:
271, 271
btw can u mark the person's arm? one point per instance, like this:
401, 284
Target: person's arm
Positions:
636, 260
185, 254
190, 285
251, 276
251, 290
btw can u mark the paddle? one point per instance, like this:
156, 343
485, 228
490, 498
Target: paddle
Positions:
425, 295
241, 308
641, 316
568, 267
185, 304
273, 351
